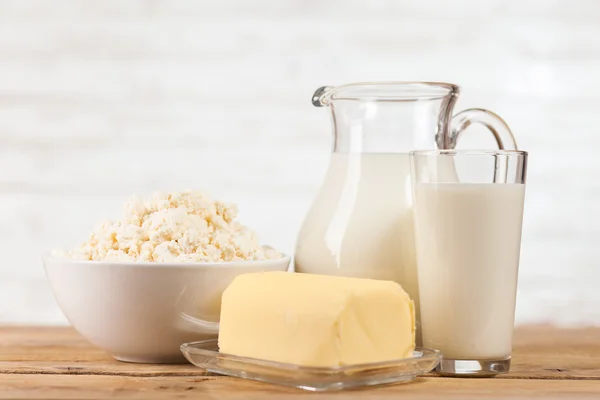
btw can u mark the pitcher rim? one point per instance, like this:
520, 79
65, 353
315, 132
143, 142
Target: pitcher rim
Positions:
325, 94
467, 152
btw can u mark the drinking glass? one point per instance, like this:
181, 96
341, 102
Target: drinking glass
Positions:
468, 210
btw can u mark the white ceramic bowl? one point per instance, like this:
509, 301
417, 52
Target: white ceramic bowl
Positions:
142, 312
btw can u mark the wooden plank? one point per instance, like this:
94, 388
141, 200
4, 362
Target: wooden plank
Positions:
109, 367
539, 352
61, 350
123, 387
46, 343
550, 353
53, 362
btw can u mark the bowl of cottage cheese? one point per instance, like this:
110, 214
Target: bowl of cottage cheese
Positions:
140, 286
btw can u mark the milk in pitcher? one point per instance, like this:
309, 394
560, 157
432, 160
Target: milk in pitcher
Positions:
361, 223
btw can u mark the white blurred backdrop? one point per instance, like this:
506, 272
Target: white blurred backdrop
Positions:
100, 100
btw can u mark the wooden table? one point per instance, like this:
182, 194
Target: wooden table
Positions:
55, 362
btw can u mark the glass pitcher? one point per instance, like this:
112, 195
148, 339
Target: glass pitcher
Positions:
361, 222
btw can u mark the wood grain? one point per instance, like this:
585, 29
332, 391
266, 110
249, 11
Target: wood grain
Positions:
540, 352
56, 362
545, 353
213, 387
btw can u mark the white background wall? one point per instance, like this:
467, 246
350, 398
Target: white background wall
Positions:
99, 100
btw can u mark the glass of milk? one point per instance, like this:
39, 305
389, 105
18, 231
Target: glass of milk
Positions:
468, 213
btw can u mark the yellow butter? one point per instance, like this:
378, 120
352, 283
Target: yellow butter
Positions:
316, 320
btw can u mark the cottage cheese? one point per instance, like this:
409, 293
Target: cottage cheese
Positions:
174, 227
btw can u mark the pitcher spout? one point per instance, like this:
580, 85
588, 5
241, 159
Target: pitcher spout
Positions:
321, 96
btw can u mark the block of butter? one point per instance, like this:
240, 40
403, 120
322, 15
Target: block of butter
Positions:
316, 320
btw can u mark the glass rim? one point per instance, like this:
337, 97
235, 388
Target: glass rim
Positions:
468, 152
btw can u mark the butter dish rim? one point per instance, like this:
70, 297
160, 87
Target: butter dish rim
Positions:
193, 348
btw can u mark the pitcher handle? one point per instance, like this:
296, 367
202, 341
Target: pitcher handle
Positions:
496, 125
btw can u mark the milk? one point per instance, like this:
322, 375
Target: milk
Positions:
361, 223
468, 242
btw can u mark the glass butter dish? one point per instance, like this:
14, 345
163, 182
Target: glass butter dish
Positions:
205, 354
